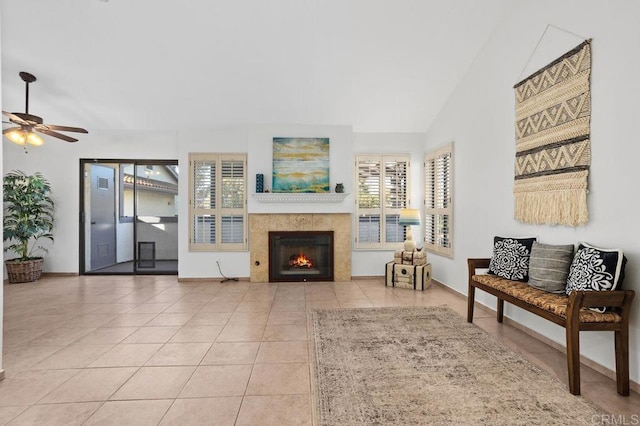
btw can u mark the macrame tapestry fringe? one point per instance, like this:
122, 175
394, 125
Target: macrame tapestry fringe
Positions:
553, 208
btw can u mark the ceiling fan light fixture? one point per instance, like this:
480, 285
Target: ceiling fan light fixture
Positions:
22, 137
17, 136
34, 139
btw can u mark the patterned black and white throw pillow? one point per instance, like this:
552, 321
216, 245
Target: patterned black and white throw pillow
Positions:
510, 258
596, 269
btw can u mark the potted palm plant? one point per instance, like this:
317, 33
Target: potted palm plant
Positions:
28, 218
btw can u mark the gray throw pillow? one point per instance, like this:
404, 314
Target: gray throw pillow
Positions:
549, 266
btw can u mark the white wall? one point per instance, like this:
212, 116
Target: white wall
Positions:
479, 116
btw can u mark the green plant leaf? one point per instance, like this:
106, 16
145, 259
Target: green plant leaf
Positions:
28, 212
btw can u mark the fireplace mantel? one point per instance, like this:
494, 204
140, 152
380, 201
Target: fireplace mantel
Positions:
286, 197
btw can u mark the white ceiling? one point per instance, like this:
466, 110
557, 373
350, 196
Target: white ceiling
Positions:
379, 65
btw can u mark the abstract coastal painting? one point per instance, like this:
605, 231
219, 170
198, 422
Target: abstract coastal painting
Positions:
300, 165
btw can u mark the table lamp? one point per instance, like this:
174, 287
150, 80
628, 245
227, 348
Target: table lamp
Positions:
409, 217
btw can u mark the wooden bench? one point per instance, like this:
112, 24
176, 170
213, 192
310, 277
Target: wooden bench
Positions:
570, 312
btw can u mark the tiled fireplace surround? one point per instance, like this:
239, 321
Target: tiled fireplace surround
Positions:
261, 224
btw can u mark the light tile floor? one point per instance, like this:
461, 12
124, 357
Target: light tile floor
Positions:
116, 350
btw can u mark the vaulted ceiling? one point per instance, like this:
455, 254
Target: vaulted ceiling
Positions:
379, 65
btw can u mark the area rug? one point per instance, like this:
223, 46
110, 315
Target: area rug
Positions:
417, 366
553, 153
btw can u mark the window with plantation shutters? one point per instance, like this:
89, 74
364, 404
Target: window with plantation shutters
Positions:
218, 212
438, 224
383, 190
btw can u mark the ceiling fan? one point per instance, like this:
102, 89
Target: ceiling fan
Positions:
28, 124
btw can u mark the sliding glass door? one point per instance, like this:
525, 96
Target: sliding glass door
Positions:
129, 222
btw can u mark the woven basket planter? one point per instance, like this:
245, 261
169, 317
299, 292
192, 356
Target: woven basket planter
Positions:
24, 271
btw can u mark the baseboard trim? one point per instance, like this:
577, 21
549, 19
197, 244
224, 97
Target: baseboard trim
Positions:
60, 274
208, 279
365, 277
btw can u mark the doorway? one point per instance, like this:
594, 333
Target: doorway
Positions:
129, 216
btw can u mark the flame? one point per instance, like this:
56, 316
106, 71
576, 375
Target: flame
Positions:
301, 261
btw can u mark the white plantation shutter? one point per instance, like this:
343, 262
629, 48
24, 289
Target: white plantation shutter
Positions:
218, 202
396, 197
395, 183
368, 228
233, 183
429, 201
233, 201
204, 179
203, 174
232, 229
204, 229
383, 190
369, 195
438, 173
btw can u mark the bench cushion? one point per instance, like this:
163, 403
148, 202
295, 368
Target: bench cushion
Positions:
554, 303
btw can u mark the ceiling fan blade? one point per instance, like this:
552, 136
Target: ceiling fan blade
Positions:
10, 129
57, 135
14, 118
66, 128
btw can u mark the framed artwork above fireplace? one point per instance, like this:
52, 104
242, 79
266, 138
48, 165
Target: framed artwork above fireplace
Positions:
300, 165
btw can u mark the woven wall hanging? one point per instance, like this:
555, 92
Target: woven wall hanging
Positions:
553, 154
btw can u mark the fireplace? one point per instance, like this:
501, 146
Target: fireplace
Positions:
260, 224
300, 256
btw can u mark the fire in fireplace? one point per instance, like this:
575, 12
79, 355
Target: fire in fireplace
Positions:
300, 261
300, 256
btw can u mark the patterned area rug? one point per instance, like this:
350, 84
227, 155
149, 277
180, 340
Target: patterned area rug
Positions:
416, 366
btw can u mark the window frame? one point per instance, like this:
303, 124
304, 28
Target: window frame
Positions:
218, 211
382, 210
431, 192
